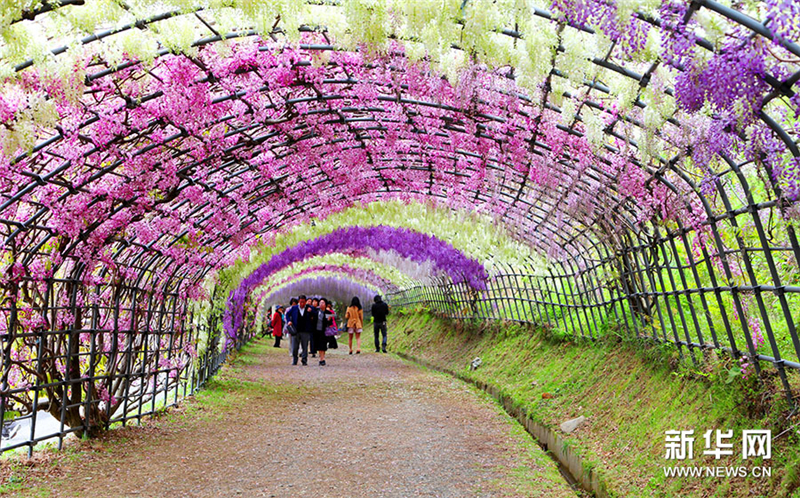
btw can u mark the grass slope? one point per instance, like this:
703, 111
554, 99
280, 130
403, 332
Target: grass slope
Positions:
631, 391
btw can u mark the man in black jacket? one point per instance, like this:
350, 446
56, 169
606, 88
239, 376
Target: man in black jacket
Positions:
380, 310
305, 316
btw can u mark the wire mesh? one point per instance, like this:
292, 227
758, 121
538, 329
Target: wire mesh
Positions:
647, 291
86, 369
728, 283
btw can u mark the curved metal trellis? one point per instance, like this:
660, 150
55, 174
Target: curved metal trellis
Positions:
609, 269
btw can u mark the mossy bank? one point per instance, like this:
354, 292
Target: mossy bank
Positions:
631, 392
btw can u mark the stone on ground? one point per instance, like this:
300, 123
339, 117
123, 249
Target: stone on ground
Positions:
571, 425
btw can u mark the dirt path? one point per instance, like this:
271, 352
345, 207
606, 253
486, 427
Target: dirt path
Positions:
366, 425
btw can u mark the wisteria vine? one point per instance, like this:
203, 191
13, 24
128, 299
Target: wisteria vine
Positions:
140, 162
407, 243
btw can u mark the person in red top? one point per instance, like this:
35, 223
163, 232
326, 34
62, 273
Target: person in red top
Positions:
277, 326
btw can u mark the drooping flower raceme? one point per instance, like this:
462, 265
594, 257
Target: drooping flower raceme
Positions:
407, 243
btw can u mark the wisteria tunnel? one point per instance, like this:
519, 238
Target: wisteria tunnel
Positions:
170, 169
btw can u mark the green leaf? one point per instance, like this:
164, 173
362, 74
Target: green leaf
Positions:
732, 374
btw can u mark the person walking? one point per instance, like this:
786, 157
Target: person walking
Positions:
323, 321
355, 323
266, 330
380, 310
290, 331
302, 319
313, 345
277, 326
332, 331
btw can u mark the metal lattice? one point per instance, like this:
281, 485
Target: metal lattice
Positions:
606, 266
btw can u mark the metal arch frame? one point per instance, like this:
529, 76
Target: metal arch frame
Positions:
210, 39
191, 166
585, 264
261, 294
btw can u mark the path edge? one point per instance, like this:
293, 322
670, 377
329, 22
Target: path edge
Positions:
570, 464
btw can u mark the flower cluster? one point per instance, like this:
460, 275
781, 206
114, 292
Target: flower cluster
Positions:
388, 276
127, 182
137, 163
407, 243
356, 275
337, 288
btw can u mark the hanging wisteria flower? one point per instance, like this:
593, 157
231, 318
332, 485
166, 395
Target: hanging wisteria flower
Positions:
407, 243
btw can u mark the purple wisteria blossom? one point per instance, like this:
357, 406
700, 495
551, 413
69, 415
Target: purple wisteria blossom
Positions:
407, 243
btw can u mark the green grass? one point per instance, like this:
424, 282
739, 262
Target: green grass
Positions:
530, 475
534, 470
631, 391
226, 391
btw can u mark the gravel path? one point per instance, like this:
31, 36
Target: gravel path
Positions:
366, 425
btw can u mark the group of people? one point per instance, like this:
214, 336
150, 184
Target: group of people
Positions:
311, 326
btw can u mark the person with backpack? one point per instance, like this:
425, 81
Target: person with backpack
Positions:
332, 331
380, 310
355, 323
